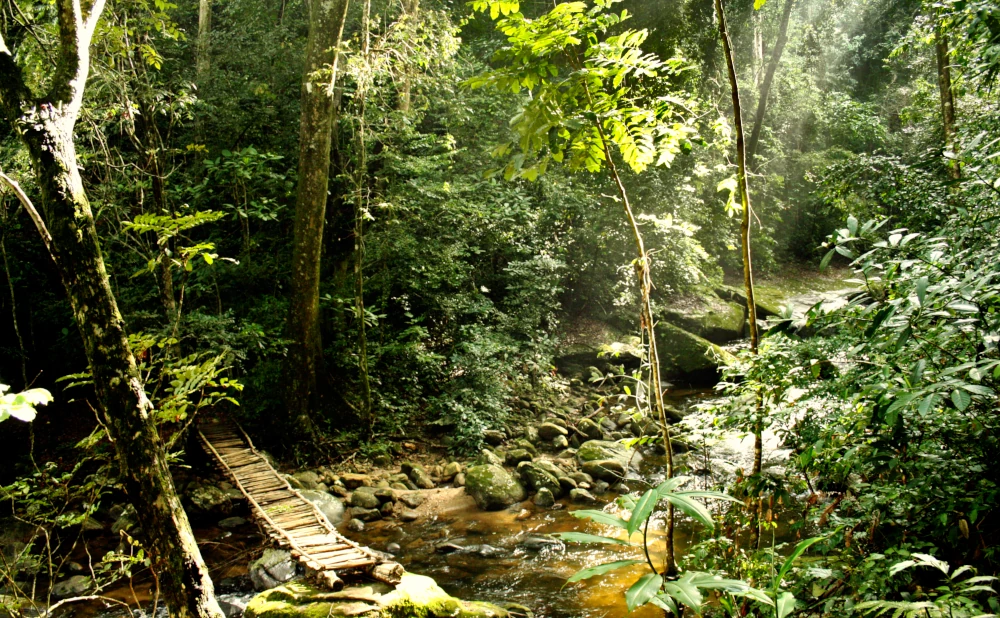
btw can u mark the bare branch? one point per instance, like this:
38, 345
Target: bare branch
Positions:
43, 231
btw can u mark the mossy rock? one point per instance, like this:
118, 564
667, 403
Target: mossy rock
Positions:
493, 487
600, 450
688, 359
415, 596
716, 319
584, 345
768, 303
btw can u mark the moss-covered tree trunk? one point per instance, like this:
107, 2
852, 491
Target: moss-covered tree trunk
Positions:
46, 126
947, 99
326, 26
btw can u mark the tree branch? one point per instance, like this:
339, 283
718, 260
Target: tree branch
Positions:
43, 231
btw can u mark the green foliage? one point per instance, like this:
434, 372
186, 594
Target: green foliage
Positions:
22, 405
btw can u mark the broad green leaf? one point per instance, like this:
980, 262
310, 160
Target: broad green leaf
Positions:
601, 569
642, 510
644, 589
693, 508
666, 603
961, 399
852, 225
785, 604
922, 284
825, 262
582, 537
790, 560
669, 485
685, 592
602, 518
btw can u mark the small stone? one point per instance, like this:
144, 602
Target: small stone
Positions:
382, 460
524, 514
581, 496
387, 509
385, 494
408, 515
412, 500
560, 442
538, 542
353, 481
494, 437
307, 479
623, 420
608, 425
274, 568
544, 498
601, 487
399, 487
581, 477
422, 479
531, 434
591, 429
516, 456
605, 469
459, 479
232, 522
489, 458
574, 441
356, 525
567, 453
366, 514
450, 470
393, 548
365, 499
548, 431
75, 586
567, 483
526, 445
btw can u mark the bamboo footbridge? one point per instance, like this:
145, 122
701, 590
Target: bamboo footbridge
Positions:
292, 521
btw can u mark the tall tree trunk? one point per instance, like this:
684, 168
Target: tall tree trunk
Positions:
765, 86
744, 189
204, 61
326, 27
46, 127
360, 212
947, 99
410, 8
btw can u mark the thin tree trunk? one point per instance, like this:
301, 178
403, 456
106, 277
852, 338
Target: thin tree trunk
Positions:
46, 127
326, 26
410, 8
947, 99
13, 314
741, 176
204, 61
765, 87
360, 210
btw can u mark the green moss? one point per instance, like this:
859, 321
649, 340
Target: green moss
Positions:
688, 357
415, 596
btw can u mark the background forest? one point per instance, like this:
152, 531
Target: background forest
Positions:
461, 250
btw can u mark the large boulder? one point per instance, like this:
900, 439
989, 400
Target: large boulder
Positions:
275, 567
327, 504
586, 343
688, 359
492, 487
537, 478
415, 596
604, 459
708, 316
208, 499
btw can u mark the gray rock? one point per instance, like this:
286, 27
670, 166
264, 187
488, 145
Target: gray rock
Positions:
608, 425
591, 429
489, 458
459, 479
539, 542
356, 525
385, 494
387, 509
567, 453
422, 479
307, 479
366, 514
581, 477
623, 419
492, 487
126, 521
548, 431
494, 437
516, 456
567, 484
232, 522
597, 450
353, 481
408, 515
75, 586
531, 434
544, 498
581, 496
365, 498
610, 470
274, 568
526, 445
412, 500
560, 442
393, 548
207, 499
327, 504
451, 470
601, 487
535, 477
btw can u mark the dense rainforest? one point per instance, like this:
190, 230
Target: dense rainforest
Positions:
695, 303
